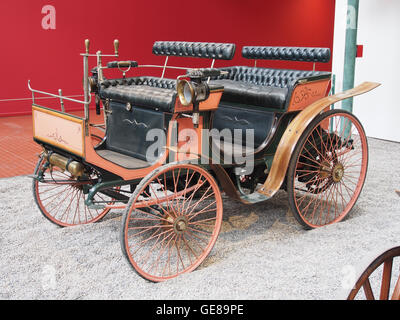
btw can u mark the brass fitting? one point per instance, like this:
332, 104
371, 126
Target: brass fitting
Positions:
74, 167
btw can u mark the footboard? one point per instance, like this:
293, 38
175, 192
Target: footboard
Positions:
58, 129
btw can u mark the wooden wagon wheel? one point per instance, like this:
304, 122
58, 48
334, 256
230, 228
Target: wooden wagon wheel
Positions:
327, 169
166, 229
385, 259
61, 198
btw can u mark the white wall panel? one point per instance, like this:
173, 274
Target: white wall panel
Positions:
379, 32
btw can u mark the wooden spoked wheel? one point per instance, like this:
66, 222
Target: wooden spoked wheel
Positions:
386, 281
61, 198
327, 169
172, 221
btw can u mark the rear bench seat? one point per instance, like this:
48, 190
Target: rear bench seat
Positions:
255, 98
265, 87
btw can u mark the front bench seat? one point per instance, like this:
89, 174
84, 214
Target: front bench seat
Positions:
149, 92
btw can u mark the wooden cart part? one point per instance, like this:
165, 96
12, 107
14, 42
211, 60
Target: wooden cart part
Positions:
385, 259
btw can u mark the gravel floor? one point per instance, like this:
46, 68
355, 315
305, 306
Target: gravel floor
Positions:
261, 253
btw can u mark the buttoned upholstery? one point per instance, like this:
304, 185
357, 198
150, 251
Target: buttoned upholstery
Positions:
287, 53
264, 87
210, 50
149, 92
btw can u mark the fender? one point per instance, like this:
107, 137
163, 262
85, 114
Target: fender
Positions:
294, 131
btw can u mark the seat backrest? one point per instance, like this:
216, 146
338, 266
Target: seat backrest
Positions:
141, 81
280, 78
287, 53
210, 50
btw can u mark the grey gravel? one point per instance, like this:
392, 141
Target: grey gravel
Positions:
261, 253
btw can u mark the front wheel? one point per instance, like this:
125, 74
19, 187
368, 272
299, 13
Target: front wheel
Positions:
172, 221
327, 169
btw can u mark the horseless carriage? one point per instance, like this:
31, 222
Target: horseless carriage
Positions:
171, 146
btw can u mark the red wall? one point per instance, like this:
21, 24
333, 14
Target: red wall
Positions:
51, 60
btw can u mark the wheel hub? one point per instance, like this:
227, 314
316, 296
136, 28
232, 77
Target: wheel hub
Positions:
337, 172
180, 224
325, 170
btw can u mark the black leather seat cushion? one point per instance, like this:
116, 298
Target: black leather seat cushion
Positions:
253, 94
149, 92
264, 87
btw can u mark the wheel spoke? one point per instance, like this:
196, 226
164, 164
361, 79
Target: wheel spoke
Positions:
396, 291
368, 290
61, 199
327, 179
386, 277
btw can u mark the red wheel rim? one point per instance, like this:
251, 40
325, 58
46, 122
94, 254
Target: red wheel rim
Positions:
330, 170
170, 230
62, 200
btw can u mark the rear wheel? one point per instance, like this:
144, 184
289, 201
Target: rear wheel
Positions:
172, 221
61, 197
327, 169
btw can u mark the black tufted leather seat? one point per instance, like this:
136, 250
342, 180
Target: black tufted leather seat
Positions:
287, 53
160, 93
264, 87
210, 50
149, 92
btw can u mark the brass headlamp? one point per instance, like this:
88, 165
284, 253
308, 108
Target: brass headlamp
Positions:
196, 90
190, 92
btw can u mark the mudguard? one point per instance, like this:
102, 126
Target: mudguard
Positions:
294, 131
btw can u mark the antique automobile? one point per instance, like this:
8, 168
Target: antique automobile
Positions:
171, 146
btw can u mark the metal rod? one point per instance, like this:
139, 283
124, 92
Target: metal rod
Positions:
39, 98
165, 65
99, 67
61, 100
159, 66
33, 94
86, 86
212, 66
97, 125
56, 95
95, 55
